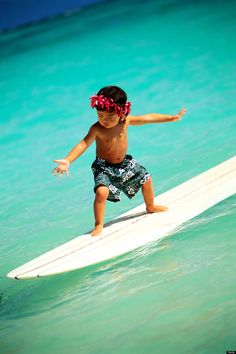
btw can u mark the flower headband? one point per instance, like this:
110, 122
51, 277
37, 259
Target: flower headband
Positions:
99, 101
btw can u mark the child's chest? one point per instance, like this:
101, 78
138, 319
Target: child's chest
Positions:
110, 137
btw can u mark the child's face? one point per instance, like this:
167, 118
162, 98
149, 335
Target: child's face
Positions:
108, 119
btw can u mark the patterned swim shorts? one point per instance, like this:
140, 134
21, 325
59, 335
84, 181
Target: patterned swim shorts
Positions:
126, 176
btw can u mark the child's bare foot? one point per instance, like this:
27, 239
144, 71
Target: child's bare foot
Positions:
97, 231
156, 209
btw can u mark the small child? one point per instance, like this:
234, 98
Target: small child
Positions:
114, 170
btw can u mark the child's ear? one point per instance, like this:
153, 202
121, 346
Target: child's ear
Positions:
122, 118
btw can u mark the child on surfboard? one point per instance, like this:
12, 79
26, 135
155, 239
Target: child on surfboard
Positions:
114, 170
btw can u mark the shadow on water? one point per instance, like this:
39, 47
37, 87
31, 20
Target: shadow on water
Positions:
26, 298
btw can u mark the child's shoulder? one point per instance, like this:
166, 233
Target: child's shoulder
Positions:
95, 129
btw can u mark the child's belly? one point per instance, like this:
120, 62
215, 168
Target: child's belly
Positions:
113, 153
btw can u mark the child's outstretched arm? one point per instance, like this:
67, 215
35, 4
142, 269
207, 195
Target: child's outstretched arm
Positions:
156, 118
78, 150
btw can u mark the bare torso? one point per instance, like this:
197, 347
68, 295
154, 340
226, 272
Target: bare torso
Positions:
112, 143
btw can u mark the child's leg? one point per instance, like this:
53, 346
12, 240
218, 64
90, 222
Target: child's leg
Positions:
102, 193
148, 195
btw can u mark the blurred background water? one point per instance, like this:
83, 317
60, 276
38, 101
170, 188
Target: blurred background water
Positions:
177, 295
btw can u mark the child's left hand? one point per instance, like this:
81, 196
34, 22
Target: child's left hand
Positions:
179, 115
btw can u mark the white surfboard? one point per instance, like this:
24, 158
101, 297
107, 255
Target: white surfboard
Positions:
136, 228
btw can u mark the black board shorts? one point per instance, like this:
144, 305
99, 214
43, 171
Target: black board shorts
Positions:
127, 176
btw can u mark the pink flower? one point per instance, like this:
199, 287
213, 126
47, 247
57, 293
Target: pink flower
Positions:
99, 101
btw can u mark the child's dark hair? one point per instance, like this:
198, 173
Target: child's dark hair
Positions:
116, 93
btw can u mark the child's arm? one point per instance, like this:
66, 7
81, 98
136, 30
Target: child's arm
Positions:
155, 118
78, 150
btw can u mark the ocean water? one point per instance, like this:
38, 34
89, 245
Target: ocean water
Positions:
175, 296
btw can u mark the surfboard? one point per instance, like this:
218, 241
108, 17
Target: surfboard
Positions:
136, 228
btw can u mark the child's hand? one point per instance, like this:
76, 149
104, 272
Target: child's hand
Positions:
179, 115
63, 166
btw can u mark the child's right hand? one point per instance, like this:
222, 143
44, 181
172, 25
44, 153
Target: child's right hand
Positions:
63, 166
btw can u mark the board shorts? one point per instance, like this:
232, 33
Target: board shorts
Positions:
127, 176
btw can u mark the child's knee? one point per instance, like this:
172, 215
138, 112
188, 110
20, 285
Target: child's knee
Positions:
102, 193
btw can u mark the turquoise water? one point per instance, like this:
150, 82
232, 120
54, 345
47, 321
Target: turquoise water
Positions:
177, 295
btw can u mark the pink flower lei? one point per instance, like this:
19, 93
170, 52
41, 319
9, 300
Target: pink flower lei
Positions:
99, 101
